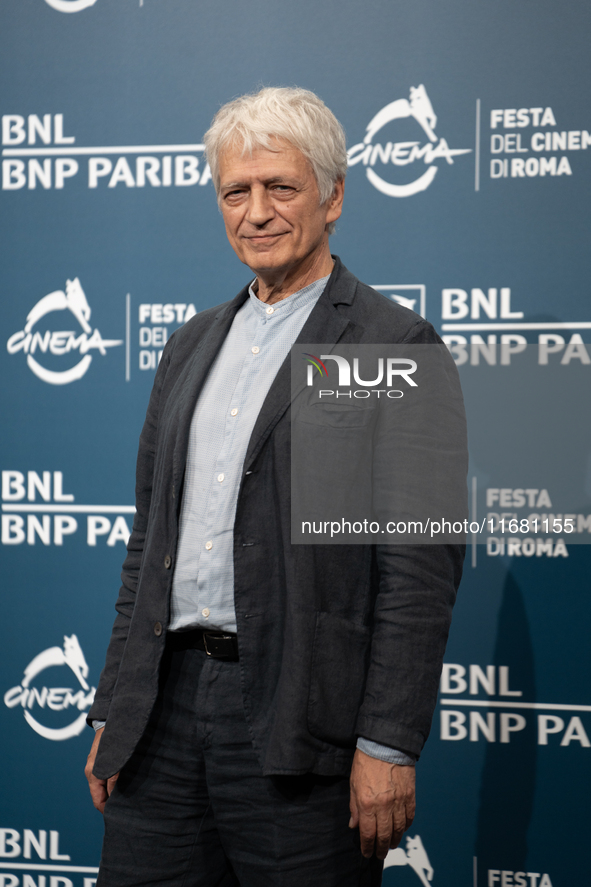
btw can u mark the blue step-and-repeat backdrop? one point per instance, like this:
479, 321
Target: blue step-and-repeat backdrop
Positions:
468, 193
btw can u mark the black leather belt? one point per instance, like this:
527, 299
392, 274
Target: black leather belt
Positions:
217, 644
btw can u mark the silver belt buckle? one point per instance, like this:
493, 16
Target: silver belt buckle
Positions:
205, 644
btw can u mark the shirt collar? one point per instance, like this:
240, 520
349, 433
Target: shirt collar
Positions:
310, 293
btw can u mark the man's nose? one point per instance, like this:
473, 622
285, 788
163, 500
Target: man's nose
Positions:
260, 207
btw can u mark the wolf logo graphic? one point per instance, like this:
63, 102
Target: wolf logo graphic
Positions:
415, 856
71, 655
74, 299
419, 107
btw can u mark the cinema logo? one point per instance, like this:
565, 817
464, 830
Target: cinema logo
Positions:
403, 153
35, 342
35, 509
499, 719
37, 153
31, 694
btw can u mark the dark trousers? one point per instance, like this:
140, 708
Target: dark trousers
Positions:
192, 809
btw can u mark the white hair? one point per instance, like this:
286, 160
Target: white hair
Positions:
296, 115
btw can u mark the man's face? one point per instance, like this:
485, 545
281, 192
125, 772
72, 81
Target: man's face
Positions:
271, 207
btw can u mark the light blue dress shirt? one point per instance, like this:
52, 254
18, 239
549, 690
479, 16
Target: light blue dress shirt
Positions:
237, 384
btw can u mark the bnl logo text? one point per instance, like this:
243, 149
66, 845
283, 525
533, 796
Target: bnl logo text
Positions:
19, 847
35, 508
155, 165
499, 719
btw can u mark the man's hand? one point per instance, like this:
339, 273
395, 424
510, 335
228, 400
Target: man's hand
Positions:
100, 789
382, 803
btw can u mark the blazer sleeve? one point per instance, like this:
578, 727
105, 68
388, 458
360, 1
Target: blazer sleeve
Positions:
412, 615
135, 547
417, 586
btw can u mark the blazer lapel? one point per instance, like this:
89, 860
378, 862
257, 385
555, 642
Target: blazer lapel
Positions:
325, 325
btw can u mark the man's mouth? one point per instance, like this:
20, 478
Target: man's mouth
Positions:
262, 239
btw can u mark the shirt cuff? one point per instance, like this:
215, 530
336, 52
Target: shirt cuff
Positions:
97, 725
385, 753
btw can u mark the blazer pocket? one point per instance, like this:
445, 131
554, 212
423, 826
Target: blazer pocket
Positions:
339, 670
339, 416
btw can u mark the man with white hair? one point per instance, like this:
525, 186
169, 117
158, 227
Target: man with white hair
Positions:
262, 704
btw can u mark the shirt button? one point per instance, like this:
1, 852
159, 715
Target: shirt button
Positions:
234, 412
255, 349
157, 629
168, 562
221, 477
209, 545
205, 612
270, 310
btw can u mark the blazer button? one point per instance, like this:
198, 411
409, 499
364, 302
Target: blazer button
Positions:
157, 629
168, 562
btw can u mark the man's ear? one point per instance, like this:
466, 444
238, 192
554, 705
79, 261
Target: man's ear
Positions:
335, 202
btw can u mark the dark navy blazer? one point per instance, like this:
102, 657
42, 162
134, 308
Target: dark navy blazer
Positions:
336, 641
